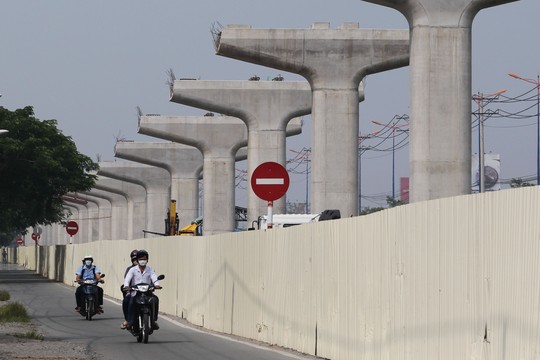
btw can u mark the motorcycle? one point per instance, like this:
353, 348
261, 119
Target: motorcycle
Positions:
144, 322
91, 297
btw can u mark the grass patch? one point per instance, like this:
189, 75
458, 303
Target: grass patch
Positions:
4, 295
13, 312
33, 335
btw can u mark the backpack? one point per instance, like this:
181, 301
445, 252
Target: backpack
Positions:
84, 268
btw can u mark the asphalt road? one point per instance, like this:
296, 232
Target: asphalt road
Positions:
51, 305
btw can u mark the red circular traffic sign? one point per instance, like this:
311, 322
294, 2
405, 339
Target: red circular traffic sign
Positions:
72, 227
20, 241
35, 236
270, 181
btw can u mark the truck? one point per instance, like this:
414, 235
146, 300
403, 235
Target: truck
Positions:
284, 220
288, 220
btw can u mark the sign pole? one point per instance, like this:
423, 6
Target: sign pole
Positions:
270, 222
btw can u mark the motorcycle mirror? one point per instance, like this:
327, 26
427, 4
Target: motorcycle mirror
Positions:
161, 277
102, 275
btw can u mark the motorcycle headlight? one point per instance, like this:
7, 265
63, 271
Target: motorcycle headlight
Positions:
88, 281
143, 288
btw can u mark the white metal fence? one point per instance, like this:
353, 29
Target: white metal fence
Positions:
455, 278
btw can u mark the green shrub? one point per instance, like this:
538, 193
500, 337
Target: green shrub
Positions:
4, 295
13, 312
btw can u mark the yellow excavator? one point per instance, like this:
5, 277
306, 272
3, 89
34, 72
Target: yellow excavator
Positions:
193, 229
172, 224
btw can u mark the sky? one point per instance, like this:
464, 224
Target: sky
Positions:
90, 64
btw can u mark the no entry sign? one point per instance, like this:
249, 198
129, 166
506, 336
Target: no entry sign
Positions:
72, 228
270, 181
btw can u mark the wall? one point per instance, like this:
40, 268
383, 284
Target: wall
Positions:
453, 278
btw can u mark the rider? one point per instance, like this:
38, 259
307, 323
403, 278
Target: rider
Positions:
137, 275
88, 271
127, 294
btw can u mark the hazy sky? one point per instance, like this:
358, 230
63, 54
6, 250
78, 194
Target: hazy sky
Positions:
89, 64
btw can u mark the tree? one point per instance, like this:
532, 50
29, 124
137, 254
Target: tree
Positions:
516, 183
390, 201
38, 165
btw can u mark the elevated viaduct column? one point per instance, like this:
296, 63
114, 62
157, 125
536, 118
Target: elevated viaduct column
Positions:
157, 183
440, 80
115, 211
91, 220
128, 200
103, 215
266, 107
184, 164
218, 139
334, 61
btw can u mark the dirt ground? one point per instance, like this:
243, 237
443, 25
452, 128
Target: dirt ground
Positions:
14, 347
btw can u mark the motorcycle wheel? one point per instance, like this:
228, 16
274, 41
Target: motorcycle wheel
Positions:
89, 309
139, 329
145, 327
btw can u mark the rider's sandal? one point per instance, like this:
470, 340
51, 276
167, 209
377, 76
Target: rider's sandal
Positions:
124, 325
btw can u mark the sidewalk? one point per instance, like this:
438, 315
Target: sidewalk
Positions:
14, 340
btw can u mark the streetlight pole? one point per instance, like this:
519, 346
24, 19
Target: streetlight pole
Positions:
479, 98
537, 84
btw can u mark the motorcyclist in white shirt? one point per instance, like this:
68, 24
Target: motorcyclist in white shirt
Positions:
142, 273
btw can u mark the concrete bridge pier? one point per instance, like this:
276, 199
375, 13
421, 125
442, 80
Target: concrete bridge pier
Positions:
104, 212
129, 199
184, 164
266, 107
218, 139
157, 183
117, 213
440, 108
334, 61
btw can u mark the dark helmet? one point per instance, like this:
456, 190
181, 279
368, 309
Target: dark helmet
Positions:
133, 255
142, 253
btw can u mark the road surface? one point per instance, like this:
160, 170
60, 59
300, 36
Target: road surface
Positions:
51, 306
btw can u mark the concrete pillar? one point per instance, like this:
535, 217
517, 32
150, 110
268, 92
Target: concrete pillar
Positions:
266, 107
128, 202
157, 183
334, 61
103, 215
440, 108
184, 164
115, 214
92, 217
218, 138
46, 235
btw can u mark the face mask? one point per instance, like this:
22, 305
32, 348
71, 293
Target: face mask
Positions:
143, 262
88, 262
